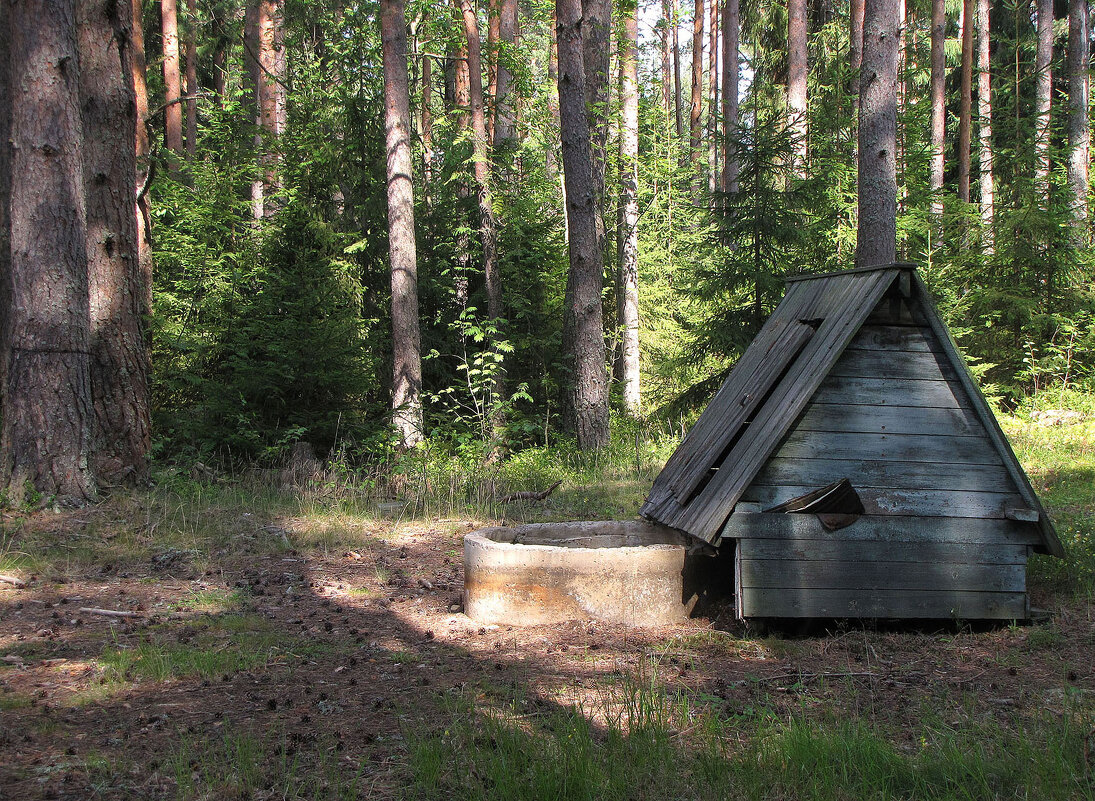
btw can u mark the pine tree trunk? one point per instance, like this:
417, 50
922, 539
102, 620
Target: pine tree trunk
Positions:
494, 29
596, 28
855, 48
5, 200
939, 108
173, 126
505, 135
674, 33
461, 86
796, 84
406, 342
551, 162
47, 423
253, 69
271, 97
731, 31
965, 106
191, 77
696, 106
627, 228
1079, 134
583, 333
138, 67
713, 97
984, 129
119, 357
877, 237
1043, 89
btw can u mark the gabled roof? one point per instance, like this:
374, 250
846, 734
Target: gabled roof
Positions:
772, 384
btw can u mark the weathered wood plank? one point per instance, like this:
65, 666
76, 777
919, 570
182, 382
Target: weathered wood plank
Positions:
889, 392
890, 447
707, 512
896, 311
891, 501
939, 576
893, 337
784, 527
847, 550
1051, 544
901, 365
883, 475
884, 604
889, 419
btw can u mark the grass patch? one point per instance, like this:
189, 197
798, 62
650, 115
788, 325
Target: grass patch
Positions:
208, 648
241, 765
647, 744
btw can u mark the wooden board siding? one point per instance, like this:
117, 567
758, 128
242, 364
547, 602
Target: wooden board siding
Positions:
789, 566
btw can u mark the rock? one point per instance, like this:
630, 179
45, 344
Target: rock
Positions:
1057, 417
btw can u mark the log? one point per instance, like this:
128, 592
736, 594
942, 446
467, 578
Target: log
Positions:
530, 496
91, 610
13, 580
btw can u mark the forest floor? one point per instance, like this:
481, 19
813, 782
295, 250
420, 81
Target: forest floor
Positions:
275, 647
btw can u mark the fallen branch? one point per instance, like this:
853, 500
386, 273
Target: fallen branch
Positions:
803, 677
18, 582
530, 496
91, 610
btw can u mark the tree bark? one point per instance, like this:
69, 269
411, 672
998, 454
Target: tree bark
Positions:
667, 60
119, 357
138, 68
426, 126
877, 236
984, 128
583, 333
1079, 133
1043, 89
731, 31
796, 84
696, 106
173, 131
939, 109
504, 106
627, 228
191, 77
674, 33
5, 199
596, 27
965, 106
47, 421
406, 341
271, 97
713, 97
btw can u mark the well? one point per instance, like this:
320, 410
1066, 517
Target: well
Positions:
629, 572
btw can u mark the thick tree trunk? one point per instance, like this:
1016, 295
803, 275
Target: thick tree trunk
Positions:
5, 199
47, 421
406, 342
583, 333
984, 128
796, 84
138, 67
119, 357
965, 105
1043, 89
596, 29
1079, 134
674, 33
731, 31
713, 97
173, 126
939, 108
505, 135
191, 77
271, 97
877, 240
627, 219
696, 106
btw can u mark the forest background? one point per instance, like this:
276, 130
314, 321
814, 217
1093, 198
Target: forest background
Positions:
262, 174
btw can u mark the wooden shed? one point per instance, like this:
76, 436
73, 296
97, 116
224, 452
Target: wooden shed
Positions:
853, 464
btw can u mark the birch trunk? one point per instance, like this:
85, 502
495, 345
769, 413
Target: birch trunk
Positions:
696, 106
1079, 135
731, 31
939, 109
1043, 89
984, 128
627, 229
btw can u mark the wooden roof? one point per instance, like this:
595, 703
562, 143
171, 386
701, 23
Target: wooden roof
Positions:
773, 382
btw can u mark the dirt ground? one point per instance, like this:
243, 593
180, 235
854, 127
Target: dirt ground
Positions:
369, 639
